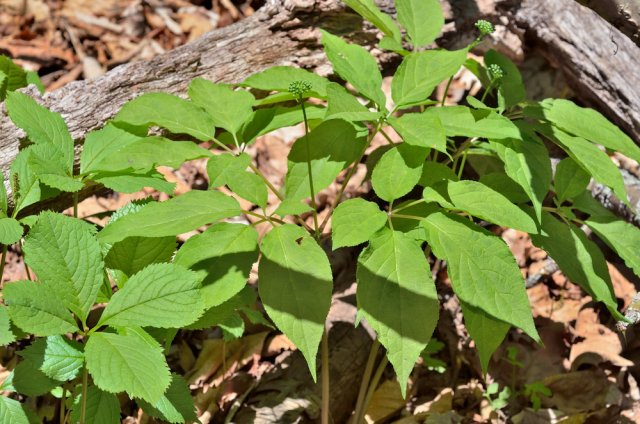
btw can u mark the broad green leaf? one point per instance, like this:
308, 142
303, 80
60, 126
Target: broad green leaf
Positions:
292, 207
161, 295
14, 412
222, 256
592, 159
221, 313
398, 171
227, 108
172, 217
10, 231
578, 258
175, 406
422, 130
4, 201
146, 153
129, 363
16, 76
503, 184
343, 105
463, 121
487, 332
102, 407
6, 334
570, 179
64, 252
167, 111
33, 78
29, 380
270, 119
420, 73
331, 147
57, 357
131, 183
622, 237
483, 272
481, 201
250, 187
356, 66
101, 144
224, 167
294, 266
41, 125
434, 172
278, 78
423, 20
411, 226
135, 253
391, 44
47, 164
368, 10
397, 296
355, 221
27, 189
590, 124
527, 163
232, 328
35, 308
511, 89
3, 85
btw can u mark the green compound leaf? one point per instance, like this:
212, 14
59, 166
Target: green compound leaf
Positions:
172, 217
327, 159
27, 189
161, 295
64, 252
41, 125
527, 162
578, 258
224, 167
57, 357
355, 65
420, 73
487, 332
421, 130
36, 308
293, 266
266, 120
227, 108
434, 172
483, 272
224, 312
29, 380
10, 231
278, 78
355, 221
175, 406
16, 76
463, 121
481, 201
589, 124
570, 180
46, 162
101, 144
135, 182
250, 187
135, 253
222, 256
102, 407
423, 20
14, 412
368, 10
503, 184
397, 296
132, 362
167, 111
591, 159
622, 237
34, 78
398, 171
6, 334
511, 90
343, 105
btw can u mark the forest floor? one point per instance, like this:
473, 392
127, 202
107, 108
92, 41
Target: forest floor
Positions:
586, 371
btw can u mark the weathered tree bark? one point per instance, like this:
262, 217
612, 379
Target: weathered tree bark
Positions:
622, 14
599, 61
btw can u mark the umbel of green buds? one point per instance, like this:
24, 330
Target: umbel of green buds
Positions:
485, 27
298, 88
495, 72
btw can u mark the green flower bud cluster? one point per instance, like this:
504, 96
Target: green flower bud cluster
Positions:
485, 27
298, 88
495, 72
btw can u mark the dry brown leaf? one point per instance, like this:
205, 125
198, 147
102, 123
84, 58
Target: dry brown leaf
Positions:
275, 345
386, 401
580, 391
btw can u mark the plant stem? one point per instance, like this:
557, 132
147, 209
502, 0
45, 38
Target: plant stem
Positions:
62, 401
408, 205
326, 412
446, 91
387, 137
366, 376
271, 220
372, 387
75, 204
314, 206
26, 267
464, 159
399, 215
85, 386
484, 95
3, 259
